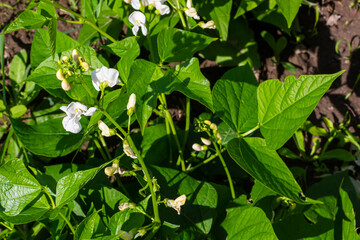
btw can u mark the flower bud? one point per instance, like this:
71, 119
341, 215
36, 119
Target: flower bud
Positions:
85, 66
206, 141
60, 75
65, 59
140, 233
81, 59
157, 12
213, 126
127, 1
151, 7
75, 55
207, 122
110, 171
65, 85
197, 147
59, 62
68, 72
191, 12
131, 104
105, 130
128, 150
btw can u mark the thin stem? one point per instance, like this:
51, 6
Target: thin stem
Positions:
205, 161
6, 144
87, 89
68, 223
100, 31
187, 123
70, 21
129, 121
250, 131
103, 143
50, 197
180, 14
63, 8
121, 185
100, 149
226, 170
143, 212
8, 227
168, 132
142, 163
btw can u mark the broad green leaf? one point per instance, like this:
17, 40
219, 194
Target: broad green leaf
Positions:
18, 187
155, 144
141, 80
45, 76
18, 68
87, 227
247, 5
46, 10
52, 33
126, 220
226, 132
26, 20
340, 154
41, 49
234, 98
175, 45
201, 198
247, 223
17, 111
34, 211
271, 15
128, 49
266, 166
68, 187
47, 139
217, 10
187, 79
260, 191
284, 107
348, 218
289, 9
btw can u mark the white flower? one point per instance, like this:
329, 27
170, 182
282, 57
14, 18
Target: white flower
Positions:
74, 111
128, 150
210, 25
105, 130
197, 147
206, 141
190, 11
75, 55
138, 19
131, 104
127, 1
177, 203
162, 8
65, 85
104, 77
60, 75
136, 4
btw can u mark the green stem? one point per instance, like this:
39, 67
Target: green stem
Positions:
6, 144
100, 149
6, 226
250, 131
103, 143
142, 163
168, 132
68, 223
50, 197
187, 123
226, 170
87, 89
205, 161
100, 31
181, 15
143, 212
55, 4
121, 185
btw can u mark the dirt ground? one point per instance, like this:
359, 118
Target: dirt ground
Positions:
314, 55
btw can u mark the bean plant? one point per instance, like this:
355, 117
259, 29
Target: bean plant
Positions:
92, 148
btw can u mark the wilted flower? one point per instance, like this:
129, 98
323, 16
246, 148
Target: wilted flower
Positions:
105, 130
197, 147
128, 150
209, 25
103, 77
138, 19
140, 233
177, 203
131, 104
124, 206
190, 11
74, 111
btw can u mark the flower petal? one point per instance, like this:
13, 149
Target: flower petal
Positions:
90, 111
143, 29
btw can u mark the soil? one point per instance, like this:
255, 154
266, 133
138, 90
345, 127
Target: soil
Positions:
314, 55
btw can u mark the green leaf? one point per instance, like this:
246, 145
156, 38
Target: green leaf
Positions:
340, 154
17, 111
52, 33
289, 9
87, 227
283, 107
34, 211
142, 75
348, 216
201, 198
187, 79
217, 10
155, 145
47, 139
28, 20
266, 166
45, 76
68, 187
175, 45
18, 68
41, 47
234, 97
18, 187
126, 220
247, 5
128, 49
247, 223
47, 10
